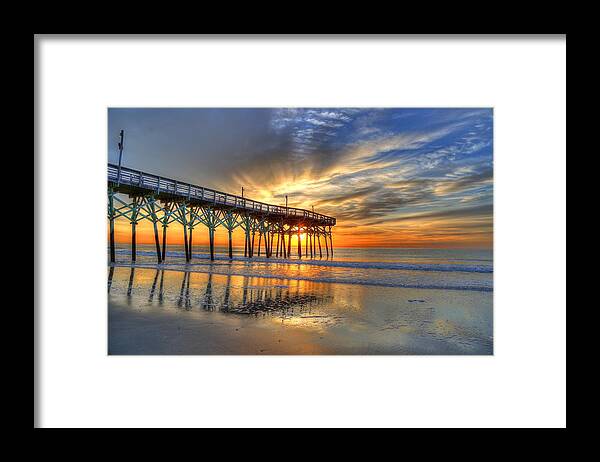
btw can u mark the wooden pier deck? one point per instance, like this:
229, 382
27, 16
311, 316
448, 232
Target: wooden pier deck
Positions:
164, 201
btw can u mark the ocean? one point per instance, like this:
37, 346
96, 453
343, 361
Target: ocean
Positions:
361, 301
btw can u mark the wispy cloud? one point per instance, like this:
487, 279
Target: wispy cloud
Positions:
394, 175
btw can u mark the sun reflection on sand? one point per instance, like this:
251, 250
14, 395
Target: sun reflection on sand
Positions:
209, 313
241, 295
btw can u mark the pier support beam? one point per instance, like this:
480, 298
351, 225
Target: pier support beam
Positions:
165, 225
183, 216
164, 241
306, 241
299, 244
155, 225
229, 222
246, 227
260, 234
211, 237
111, 215
133, 243
266, 239
211, 224
319, 241
133, 226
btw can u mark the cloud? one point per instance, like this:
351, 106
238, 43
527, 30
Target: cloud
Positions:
367, 167
480, 211
462, 183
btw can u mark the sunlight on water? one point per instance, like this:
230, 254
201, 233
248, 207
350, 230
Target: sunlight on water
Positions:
411, 268
170, 311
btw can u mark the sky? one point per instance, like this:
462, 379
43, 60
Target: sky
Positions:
392, 177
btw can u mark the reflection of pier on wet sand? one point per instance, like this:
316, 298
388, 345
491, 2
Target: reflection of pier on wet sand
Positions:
255, 296
161, 311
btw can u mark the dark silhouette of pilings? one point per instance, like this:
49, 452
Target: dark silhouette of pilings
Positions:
274, 235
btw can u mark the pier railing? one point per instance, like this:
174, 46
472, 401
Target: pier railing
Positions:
160, 185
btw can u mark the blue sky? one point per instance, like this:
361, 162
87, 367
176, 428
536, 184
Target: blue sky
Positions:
392, 177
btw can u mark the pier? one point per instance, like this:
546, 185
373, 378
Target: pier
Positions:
268, 228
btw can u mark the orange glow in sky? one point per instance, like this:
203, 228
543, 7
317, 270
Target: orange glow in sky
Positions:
391, 177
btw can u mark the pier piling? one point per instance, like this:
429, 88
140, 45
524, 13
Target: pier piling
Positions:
133, 226
164, 201
155, 226
183, 216
319, 241
111, 215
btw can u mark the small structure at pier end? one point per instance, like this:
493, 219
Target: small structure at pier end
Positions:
164, 201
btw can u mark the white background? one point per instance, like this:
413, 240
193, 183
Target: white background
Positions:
523, 384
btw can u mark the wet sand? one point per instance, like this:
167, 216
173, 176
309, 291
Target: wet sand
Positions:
158, 312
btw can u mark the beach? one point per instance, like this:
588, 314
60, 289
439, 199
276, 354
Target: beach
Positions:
361, 302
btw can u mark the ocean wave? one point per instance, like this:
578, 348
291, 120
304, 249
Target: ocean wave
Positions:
219, 259
232, 271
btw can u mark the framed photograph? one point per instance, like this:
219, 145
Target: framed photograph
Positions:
375, 224
221, 225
